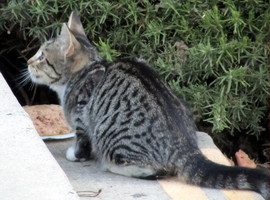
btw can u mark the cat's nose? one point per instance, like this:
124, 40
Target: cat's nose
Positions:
30, 61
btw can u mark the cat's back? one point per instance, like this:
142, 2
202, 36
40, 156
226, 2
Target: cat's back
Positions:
133, 92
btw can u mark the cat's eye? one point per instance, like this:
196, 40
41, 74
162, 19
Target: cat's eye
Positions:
41, 57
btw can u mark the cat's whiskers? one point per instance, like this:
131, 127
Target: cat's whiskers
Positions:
24, 78
33, 86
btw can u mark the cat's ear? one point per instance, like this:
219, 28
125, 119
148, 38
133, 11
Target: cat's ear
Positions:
69, 40
75, 25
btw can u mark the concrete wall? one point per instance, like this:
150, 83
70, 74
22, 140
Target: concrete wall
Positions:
28, 171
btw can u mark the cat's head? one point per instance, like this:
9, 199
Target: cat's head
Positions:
58, 58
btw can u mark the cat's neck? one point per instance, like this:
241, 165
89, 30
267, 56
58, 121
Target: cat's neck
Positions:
60, 90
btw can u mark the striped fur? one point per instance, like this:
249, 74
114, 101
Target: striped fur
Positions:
127, 118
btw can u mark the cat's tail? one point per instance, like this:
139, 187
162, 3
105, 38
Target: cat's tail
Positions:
200, 171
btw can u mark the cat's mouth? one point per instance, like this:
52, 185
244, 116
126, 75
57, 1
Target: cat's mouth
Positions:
35, 77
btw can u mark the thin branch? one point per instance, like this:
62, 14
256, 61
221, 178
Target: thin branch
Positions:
89, 193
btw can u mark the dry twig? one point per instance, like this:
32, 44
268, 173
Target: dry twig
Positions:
88, 193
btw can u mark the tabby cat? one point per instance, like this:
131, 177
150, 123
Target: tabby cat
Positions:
127, 118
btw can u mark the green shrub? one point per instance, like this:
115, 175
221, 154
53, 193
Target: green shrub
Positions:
213, 53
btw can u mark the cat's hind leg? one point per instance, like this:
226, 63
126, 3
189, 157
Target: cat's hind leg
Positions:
130, 170
133, 170
81, 150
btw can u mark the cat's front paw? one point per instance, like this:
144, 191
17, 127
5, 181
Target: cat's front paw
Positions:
70, 155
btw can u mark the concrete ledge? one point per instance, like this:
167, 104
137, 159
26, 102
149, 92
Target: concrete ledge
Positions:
27, 169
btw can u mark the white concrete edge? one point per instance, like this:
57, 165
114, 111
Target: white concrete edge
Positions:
28, 171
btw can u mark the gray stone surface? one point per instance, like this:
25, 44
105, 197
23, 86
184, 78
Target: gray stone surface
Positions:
86, 176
